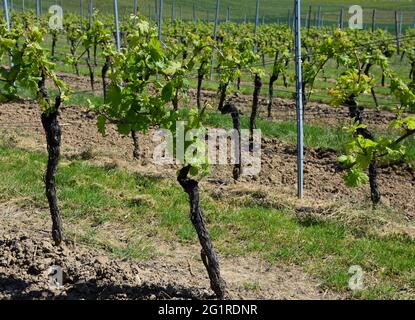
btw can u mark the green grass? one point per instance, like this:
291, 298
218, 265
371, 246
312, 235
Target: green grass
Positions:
314, 136
150, 209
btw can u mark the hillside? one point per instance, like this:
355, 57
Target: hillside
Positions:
272, 10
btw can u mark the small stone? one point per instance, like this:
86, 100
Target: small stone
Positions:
101, 260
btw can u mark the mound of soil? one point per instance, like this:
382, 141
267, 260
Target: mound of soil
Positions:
323, 180
25, 274
26, 255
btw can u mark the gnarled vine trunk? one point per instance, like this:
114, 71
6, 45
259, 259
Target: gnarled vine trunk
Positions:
238, 81
208, 254
222, 95
272, 80
200, 77
356, 113
54, 41
73, 52
136, 151
95, 55
254, 113
91, 70
104, 72
231, 109
374, 190
53, 133
175, 100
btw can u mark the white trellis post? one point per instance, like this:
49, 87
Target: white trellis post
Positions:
91, 13
156, 11
135, 7
117, 27
256, 23
160, 22
37, 9
7, 18
299, 101
215, 29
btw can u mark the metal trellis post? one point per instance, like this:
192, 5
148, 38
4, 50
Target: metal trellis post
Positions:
117, 26
194, 13
299, 102
319, 17
135, 7
160, 22
7, 18
37, 9
91, 9
256, 23
215, 29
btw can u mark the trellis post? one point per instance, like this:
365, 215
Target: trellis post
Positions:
299, 102
7, 18
117, 27
160, 22
215, 30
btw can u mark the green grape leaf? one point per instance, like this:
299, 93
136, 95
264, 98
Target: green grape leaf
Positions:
167, 92
114, 95
124, 129
356, 178
101, 123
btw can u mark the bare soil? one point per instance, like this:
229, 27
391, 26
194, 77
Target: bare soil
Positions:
26, 254
323, 180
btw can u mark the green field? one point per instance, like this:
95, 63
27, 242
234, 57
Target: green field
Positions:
272, 11
95, 199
